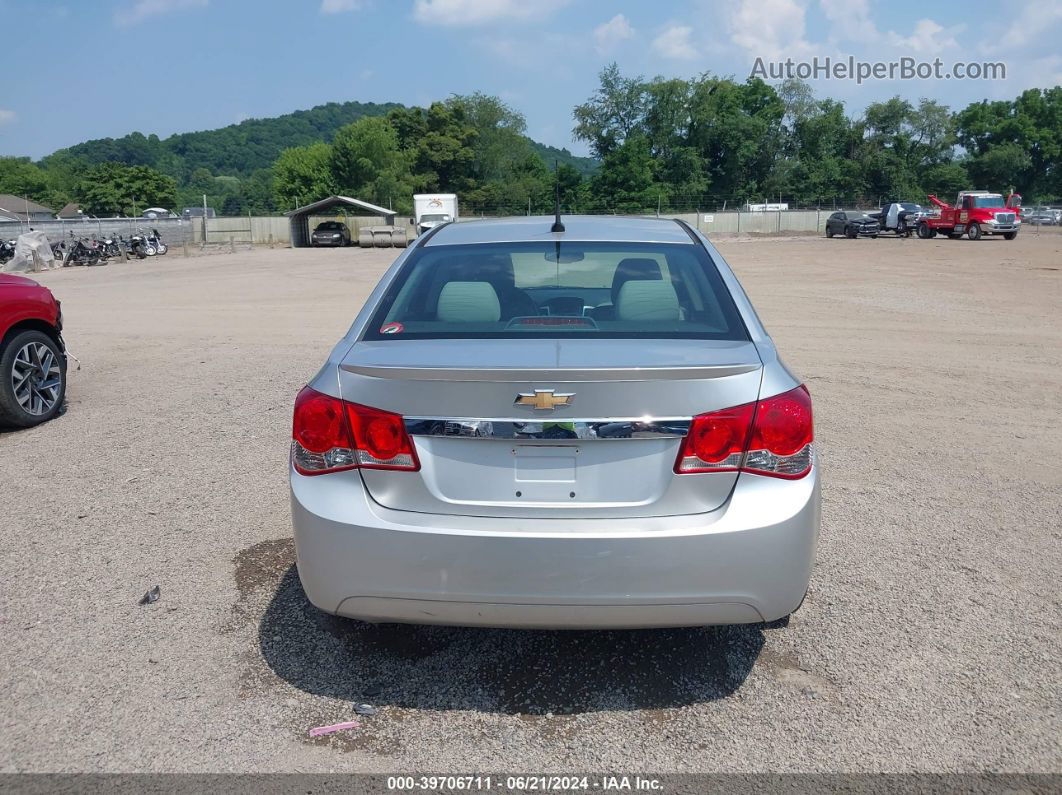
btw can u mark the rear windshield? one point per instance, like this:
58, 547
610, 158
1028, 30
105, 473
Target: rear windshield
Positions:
548, 289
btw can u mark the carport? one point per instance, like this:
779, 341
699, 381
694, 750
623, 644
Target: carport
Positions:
300, 217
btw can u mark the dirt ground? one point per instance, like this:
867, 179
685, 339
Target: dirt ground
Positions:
930, 640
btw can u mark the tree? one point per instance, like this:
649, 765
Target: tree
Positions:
21, 177
303, 174
117, 189
626, 181
999, 167
367, 162
616, 110
1031, 124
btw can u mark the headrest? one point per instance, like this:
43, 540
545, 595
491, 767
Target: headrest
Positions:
647, 300
633, 268
468, 302
494, 268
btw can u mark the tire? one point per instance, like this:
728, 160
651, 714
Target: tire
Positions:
973, 232
161, 249
829, 231
873, 237
1009, 235
150, 251
17, 361
850, 233
69, 261
924, 232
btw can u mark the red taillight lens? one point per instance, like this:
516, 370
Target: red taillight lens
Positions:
782, 436
716, 441
770, 437
330, 435
381, 439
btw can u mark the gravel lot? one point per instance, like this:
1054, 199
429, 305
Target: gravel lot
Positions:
930, 640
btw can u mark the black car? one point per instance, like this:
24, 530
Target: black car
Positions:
330, 233
851, 224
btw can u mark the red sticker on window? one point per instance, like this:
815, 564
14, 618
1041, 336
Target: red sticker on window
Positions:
392, 328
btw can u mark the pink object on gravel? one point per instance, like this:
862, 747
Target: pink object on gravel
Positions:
335, 727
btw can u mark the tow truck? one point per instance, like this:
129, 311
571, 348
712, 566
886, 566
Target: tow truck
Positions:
975, 213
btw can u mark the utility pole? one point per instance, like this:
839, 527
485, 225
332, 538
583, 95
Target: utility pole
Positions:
204, 220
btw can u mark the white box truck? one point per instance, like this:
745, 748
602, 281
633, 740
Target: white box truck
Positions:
432, 209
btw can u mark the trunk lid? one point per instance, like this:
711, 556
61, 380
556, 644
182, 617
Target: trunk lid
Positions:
607, 450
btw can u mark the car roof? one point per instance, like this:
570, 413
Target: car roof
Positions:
583, 228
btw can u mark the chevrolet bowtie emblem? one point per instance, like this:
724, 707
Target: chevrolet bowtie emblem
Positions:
544, 399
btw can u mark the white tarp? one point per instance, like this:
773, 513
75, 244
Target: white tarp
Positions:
27, 243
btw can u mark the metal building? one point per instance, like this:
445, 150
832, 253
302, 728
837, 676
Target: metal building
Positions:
300, 217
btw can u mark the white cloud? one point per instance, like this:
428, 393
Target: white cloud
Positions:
145, 9
609, 34
7, 116
1032, 22
339, 6
468, 13
850, 20
674, 42
928, 38
769, 29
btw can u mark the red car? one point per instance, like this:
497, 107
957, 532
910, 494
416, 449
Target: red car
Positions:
32, 352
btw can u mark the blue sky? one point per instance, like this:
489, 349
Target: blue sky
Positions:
96, 68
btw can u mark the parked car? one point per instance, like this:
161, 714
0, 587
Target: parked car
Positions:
1042, 216
851, 224
330, 233
582, 425
32, 352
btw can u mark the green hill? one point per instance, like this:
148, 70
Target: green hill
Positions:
237, 150
241, 149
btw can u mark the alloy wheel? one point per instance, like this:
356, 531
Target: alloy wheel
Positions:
36, 378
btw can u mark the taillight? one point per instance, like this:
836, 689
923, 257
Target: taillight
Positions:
782, 436
380, 439
716, 441
330, 435
770, 437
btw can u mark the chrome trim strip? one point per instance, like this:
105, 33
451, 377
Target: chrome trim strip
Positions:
550, 374
558, 429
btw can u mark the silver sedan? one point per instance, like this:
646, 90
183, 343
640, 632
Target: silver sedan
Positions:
572, 426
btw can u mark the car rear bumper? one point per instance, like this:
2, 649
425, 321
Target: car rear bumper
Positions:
746, 562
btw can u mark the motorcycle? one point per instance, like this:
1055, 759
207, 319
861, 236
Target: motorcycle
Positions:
7, 250
135, 246
156, 241
85, 252
110, 247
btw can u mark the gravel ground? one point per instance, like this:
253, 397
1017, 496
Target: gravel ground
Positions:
930, 640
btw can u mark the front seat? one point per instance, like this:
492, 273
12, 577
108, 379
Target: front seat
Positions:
497, 270
629, 270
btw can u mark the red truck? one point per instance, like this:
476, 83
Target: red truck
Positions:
975, 213
32, 352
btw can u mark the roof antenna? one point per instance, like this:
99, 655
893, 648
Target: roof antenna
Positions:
557, 225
